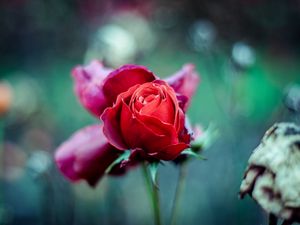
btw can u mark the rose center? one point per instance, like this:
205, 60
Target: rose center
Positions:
153, 100
145, 100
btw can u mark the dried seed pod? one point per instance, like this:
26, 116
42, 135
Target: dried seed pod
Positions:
273, 174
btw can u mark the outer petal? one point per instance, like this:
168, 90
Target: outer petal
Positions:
185, 81
112, 129
122, 79
111, 118
88, 84
85, 155
171, 151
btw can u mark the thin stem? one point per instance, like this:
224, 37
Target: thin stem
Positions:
179, 190
153, 192
156, 204
272, 219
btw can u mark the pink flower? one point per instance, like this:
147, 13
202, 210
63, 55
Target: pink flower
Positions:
88, 86
185, 82
86, 155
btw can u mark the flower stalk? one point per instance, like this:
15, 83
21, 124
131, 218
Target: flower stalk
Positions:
153, 193
179, 190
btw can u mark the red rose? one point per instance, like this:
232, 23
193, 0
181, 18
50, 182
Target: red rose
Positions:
146, 114
140, 112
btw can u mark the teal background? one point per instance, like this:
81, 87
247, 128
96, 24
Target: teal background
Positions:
42, 41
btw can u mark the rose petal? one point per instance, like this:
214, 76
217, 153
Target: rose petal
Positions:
182, 101
185, 82
111, 128
164, 109
135, 134
111, 120
148, 107
85, 155
65, 158
180, 120
170, 152
88, 82
179, 116
158, 127
137, 131
122, 79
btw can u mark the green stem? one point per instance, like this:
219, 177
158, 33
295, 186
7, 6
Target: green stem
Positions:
153, 192
156, 204
179, 190
272, 219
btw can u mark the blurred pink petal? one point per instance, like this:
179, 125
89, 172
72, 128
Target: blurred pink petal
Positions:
185, 82
86, 155
88, 84
198, 131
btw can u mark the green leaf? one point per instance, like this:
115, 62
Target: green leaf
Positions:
153, 168
124, 156
190, 152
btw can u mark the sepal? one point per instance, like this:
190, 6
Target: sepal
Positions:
123, 157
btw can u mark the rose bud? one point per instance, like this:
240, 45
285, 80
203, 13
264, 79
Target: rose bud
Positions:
86, 155
185, 82
272, 177
145, 115
88, 83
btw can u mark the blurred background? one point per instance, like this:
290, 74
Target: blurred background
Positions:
247, 53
